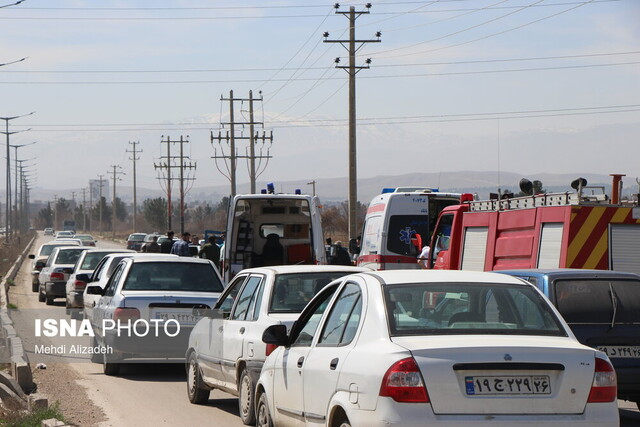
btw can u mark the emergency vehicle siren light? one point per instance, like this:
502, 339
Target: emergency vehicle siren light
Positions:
271, 188
298, 191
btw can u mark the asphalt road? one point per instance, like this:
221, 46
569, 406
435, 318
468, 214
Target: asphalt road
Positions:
146, 394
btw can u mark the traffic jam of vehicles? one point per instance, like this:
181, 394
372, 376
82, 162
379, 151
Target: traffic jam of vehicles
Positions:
449, 311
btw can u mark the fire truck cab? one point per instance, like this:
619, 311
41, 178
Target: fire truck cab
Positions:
561, 230
398, 223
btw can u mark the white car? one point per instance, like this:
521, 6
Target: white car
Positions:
159, 294
64, 234
226, 349
416, 348
99, 277
40, 259
87, 262
55, 273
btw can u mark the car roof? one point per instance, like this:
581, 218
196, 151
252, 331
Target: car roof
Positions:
393, 277
114, 251
285, 269
571, 272
138, 257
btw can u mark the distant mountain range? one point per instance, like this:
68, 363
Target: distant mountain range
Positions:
335, 189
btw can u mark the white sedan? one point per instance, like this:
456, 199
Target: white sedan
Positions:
432, 348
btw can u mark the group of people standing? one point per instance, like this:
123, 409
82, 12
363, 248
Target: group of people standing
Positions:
186, 246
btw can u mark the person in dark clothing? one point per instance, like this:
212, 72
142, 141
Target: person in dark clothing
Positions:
211, 251
273, 252
181, 247
166, 246
342, 256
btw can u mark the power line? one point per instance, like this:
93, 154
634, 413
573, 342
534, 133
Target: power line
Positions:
451, 73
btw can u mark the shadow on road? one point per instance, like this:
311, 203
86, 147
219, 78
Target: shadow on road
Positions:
629, 417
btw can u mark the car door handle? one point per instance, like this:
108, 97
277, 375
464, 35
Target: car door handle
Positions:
300, 362
242, 330
94, 304
333, 364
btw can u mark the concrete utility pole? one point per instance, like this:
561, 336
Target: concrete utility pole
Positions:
115, 178
100, 185
183, 162
16, 222
55, 212
352, 70
84, 207
313, 185
231, 138
135, 197
162, 166
7, 218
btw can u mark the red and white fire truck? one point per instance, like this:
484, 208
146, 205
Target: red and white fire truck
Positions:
560, 230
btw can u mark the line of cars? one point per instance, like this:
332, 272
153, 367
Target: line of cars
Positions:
342, 346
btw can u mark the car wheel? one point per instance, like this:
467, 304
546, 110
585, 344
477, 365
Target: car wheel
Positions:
48, 301
197, 394
41, 297
109, 366
246, 396
35, 287
263, 418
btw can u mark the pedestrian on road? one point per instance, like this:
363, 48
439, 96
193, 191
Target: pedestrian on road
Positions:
152, 246
423, 258
166, 246
342, 256
211, 251
181, 247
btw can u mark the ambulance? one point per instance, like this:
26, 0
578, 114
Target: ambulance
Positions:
398, 223
254, 219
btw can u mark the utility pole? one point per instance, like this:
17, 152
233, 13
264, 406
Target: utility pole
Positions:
15, 222
90, 203
115, 178
55, 212
352, 70
100, 204
313, 186
135, 197
84, 207
166, 165
8, 176
231, 139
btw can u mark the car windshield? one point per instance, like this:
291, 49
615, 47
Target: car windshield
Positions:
68, 256
172, 276
598, 301
91, 260
136, 237
463, 308
84, 237
47, 249
292, 292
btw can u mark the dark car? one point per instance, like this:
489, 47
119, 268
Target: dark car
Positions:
135, 241
603, 310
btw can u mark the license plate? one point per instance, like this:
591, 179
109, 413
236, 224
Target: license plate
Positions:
183, 317
505, 385
621, 351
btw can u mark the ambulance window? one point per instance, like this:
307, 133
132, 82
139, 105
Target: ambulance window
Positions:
371, 236
402, 228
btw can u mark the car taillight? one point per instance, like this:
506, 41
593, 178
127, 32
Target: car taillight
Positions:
605, 384
270, 349
126, 313
57, 276
79, 284
403, 382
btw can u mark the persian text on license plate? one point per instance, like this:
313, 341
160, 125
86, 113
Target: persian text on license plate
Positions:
621, 351
183, 317
503, 385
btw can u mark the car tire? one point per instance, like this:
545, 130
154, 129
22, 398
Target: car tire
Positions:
41, 296
246, 398
35, 287
48, 301
263, 417
197, 394
109, 366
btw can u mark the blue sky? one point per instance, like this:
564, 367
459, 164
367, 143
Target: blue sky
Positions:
514, 85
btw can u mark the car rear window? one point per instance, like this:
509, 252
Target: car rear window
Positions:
136, 237
595, 301
68, 256
463, 308
292, 292
172, 276
91, 260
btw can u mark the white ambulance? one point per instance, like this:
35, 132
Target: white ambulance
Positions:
273, 229
397, 225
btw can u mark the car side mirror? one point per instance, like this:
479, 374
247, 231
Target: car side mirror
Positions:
276, 335
95, 290
32, 256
